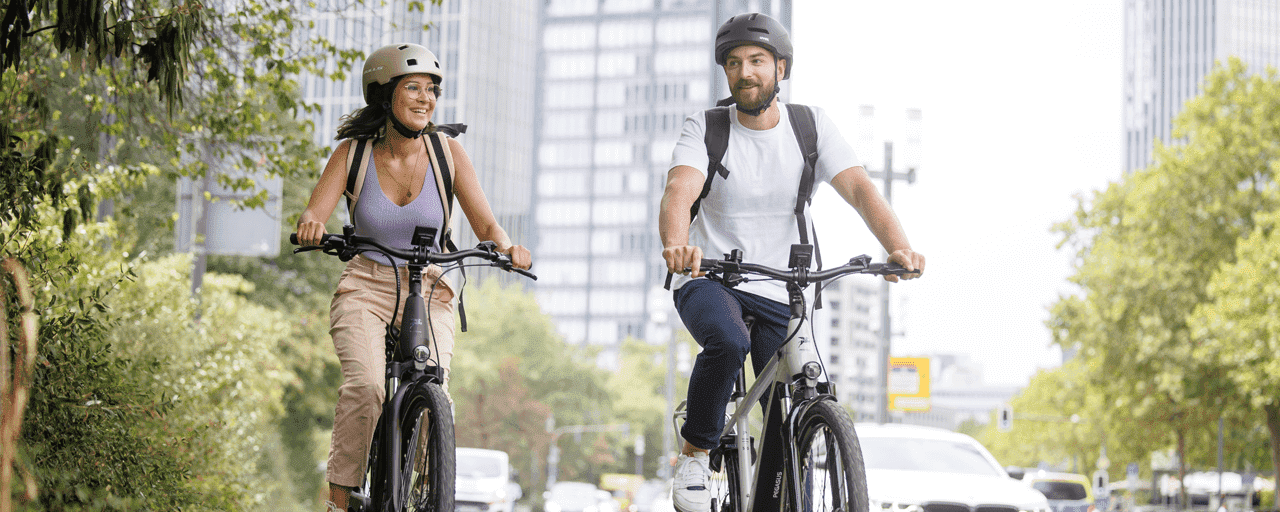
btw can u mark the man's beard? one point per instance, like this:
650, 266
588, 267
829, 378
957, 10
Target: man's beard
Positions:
764, 95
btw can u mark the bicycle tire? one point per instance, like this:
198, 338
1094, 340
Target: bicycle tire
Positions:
428, 475
832, 474
723, 483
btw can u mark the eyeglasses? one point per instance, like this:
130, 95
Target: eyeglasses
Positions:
415, 90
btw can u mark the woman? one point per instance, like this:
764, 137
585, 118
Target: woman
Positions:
401, 86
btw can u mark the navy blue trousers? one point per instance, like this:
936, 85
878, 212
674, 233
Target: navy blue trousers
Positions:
713, 314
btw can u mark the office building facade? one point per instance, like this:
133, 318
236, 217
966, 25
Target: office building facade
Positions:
1169, 48
617, 79
849, 343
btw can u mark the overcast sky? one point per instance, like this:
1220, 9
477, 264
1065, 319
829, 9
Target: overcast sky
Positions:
1021, 111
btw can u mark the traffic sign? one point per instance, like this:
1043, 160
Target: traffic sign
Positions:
1004, 418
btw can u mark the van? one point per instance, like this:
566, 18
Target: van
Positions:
484, 481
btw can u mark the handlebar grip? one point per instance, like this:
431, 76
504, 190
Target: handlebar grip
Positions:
525, 273
293, 238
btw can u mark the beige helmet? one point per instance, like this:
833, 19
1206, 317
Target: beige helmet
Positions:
391, 61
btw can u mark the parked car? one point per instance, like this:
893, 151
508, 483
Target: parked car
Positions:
572, 497
484, 481
921, 468
1066, 492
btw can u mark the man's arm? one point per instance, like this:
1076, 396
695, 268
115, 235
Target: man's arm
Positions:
856, 188
684, 185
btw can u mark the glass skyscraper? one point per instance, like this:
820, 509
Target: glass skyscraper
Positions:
1171, 45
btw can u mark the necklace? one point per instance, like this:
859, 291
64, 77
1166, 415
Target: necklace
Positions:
413, 168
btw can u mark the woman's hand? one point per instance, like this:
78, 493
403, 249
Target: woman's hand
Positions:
310, 232
520, 257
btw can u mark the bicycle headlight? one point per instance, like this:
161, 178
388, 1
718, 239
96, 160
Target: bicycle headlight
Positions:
812, 370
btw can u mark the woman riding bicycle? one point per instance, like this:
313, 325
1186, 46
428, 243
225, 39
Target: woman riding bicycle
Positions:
402, 190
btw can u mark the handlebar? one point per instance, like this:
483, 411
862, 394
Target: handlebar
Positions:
730, 270
346, 246
857, 265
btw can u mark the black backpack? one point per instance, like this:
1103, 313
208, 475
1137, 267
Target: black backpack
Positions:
805, 126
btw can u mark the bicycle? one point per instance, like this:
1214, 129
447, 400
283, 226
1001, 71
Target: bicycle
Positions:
411, 460
810, 458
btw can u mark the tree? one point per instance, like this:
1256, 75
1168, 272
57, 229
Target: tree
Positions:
80, 86
1148, 246
1240, 329
511, 371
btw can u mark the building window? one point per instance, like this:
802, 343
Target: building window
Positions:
568, 95
564, 154
616, 302
623, 34
618, 272
563, 213
570, 66
612, 6
616, 64
561, 242
614, 212
552, 184
683, 31
566, 125
578, 36
562, 272
563, 302
614, 153
682, 61
570, 7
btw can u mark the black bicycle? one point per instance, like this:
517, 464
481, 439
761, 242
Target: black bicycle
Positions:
810, 458
411, 460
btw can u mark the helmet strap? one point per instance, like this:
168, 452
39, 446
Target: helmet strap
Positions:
764, 105
400, 127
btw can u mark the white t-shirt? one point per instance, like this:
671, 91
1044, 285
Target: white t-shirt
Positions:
753, 209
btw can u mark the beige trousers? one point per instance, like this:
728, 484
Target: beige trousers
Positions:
362, 306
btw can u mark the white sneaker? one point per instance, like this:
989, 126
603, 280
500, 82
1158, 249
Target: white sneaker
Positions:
689, 493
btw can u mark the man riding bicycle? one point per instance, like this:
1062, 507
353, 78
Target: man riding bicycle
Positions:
753, 208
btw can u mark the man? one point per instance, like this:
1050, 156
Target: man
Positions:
752, 209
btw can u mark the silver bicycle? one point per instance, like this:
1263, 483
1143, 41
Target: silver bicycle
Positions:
809, 459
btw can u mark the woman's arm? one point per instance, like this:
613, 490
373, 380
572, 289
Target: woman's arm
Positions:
325, 196
466, 187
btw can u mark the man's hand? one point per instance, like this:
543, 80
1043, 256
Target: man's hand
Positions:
681, 257
913, 261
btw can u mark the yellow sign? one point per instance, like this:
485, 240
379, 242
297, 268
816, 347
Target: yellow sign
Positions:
908, 384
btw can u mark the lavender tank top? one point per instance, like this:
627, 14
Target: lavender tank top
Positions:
392, 225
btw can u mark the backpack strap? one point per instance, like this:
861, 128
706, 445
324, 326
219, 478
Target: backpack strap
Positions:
358, 154
442, 163
805, 127
716, 138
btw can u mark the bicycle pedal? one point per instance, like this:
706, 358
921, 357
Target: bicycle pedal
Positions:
358, 502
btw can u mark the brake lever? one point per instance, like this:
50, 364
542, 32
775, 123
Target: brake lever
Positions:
504, 262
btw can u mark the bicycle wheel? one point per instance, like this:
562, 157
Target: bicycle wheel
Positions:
832, 476
723, 483
428, 474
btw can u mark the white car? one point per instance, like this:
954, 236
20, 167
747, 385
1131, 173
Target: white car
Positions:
484, 481
924, 469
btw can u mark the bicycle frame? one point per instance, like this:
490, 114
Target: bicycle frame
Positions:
791, 378
785, 388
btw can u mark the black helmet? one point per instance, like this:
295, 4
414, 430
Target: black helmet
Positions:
757, 29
